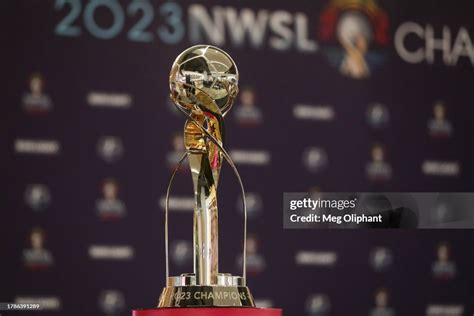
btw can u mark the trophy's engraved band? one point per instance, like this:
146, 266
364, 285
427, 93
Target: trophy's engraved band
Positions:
204, 296
236, 172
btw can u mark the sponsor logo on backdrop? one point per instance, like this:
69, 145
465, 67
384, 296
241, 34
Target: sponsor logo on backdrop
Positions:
37, 256
444, 268
254, 204
109, 99
247, 113
381, 259
444, 310
181, 252
315, 159
417, 42
318, 305
110, 148
109, 206
111, 252
378, 115
178, 203
378, 170
439, 126
255, 261
440, 168
316, 258
250, 157
314, 112
37, 197
36, 101
46, 147
174, 156
354, 36
111, 302
382, 308
47, 303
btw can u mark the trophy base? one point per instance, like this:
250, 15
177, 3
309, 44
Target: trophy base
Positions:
206, 296
208, 312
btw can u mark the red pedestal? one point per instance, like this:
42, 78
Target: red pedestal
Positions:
218, 311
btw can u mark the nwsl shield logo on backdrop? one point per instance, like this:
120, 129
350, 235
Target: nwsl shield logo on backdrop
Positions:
353, 35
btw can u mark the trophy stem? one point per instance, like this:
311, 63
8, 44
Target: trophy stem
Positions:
205, 232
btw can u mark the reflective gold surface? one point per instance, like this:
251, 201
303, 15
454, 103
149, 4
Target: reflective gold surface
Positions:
204, 77
203, 84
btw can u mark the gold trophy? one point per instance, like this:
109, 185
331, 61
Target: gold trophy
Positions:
204, 84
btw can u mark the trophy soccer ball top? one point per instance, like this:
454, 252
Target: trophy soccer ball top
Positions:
203, 84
